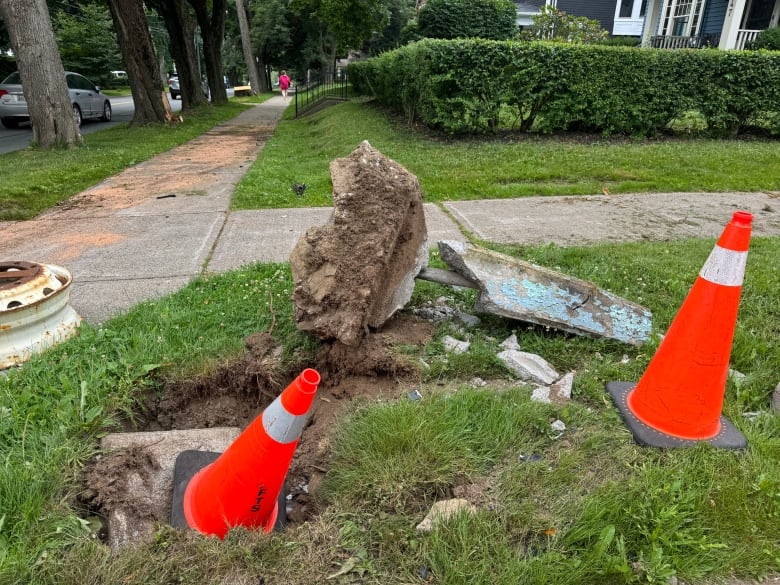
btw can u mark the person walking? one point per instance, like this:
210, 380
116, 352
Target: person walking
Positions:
284, 82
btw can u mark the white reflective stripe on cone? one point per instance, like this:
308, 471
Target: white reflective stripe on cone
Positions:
280, 425
725, 267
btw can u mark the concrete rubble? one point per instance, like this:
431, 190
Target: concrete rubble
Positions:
359, 269
455, 345
512, 288
557, 392
529, 366
443, 511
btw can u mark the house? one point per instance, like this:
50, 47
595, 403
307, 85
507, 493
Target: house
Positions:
726, 24
526, 10
671, 24
601, 10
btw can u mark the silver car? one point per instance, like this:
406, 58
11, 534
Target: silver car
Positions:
88, 102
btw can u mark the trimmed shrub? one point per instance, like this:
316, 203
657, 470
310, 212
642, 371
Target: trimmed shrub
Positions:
768, 39
461, 86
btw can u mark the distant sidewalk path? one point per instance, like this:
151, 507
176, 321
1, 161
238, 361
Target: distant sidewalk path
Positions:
149, 230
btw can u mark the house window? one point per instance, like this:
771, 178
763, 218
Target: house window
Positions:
682, 17
628, 8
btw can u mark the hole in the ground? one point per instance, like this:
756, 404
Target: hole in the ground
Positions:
237, 392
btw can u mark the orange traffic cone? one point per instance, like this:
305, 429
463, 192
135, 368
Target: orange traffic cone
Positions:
243, 485
678, 400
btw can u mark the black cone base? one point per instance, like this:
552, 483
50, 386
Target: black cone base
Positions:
728, 437
188, 463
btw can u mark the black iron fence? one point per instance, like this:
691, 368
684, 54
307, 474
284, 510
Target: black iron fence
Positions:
325, 85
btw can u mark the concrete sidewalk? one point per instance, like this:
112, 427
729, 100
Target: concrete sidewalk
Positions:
149, 230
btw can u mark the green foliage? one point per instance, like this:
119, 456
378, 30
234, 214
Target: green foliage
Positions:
619, 41
556, 25
452, 19
271, 33
466, 85
401, 11
768, 39
87, 42
353, 22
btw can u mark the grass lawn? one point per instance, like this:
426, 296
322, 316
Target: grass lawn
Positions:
500, 167
587, 506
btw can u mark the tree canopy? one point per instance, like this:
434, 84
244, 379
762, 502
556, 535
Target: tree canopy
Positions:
451, 19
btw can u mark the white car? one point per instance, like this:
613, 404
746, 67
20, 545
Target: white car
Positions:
88, 102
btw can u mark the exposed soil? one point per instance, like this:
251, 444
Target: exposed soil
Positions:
237, 392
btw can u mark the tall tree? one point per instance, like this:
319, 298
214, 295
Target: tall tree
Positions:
40, 67
182, 26
212, 29
246, 45
135, 41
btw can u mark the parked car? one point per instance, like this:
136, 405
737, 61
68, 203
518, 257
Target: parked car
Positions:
173, 87
88, 102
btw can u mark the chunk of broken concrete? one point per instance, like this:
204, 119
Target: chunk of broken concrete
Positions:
529, 366
558, 392
359, 269
443, 511
512, 288
455, 345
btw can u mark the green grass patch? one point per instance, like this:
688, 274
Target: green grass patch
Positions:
591, 508
35, 180
509, 166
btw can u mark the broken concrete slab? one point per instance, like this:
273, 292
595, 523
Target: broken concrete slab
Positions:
529, 366
358, 270
512, 288
149, 490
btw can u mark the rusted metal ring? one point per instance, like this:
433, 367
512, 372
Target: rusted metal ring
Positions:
16, 273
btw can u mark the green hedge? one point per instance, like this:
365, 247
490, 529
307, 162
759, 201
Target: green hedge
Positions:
466, 85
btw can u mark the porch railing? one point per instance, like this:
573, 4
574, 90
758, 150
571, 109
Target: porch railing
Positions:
677, 42
745, 36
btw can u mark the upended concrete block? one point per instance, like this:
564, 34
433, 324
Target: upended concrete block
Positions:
512, 288
358, 270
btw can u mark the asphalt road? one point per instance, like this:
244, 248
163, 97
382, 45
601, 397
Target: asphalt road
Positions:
122, 112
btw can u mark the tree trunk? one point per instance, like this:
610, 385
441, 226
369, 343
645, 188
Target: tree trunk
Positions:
181, 27
212, 28
135, 42
40, 67
246, 44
